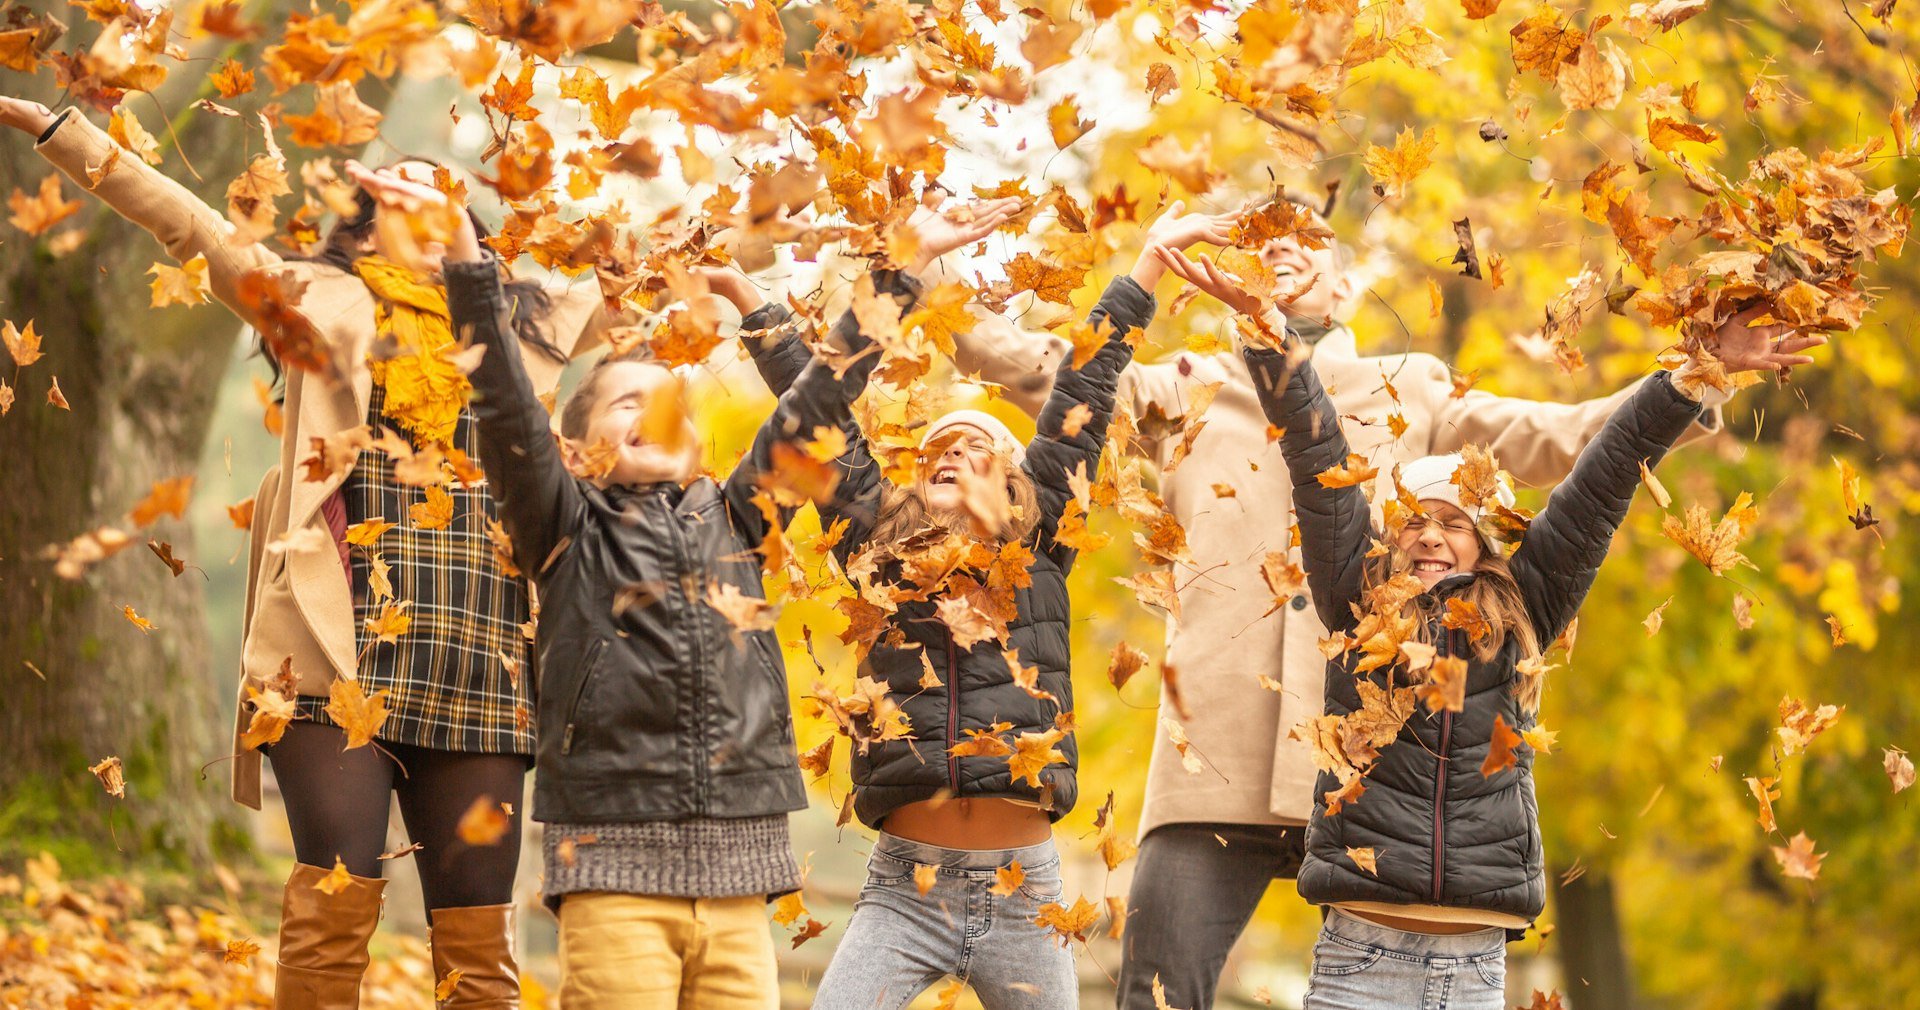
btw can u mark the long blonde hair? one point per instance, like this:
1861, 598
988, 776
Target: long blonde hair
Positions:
1496, 595
904, 512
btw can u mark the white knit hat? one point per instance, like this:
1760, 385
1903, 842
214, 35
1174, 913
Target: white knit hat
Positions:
1430, 478
995, 429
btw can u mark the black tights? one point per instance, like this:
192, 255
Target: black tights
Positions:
337, 808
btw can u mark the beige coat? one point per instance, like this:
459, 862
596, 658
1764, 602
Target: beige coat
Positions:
1226, 640
299, 605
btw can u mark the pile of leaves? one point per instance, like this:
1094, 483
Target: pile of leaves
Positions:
102, 945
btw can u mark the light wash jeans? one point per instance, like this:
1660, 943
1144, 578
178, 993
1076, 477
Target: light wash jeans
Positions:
1360, 965
901, 942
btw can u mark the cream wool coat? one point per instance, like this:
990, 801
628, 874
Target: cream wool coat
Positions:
1226, 641
299, 605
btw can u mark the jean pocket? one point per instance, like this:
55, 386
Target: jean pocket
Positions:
888, 871
1333, 958
1493, 970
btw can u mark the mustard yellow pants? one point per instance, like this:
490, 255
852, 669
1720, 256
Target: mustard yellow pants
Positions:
638, 952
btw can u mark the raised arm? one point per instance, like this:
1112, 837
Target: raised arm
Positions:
1535, 440
1336, 524
1055, 454
181, 221
1556, 563
818, 398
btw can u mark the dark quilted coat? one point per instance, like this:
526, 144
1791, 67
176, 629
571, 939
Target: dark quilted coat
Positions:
1446, 834
978, 690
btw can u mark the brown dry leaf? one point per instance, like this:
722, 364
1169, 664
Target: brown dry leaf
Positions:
742, 612
1394, 169
1654, 619
1899, 768
142, 623
1500, 755
366, 531
484, 823
818, 761
273, 711
1797, 858
1464, 615
1191, 168
1354, 471
1007, 879
1366, 859
55, 397
1714, 543
36, 214
241, 514
1654, 487
1799, 725
1033, 752
1068, 923
1764, 793
232, 79
1837, 630
336, 880
166, 497
22, 345
1446, 686
126, 131
1284, 579
1742, 612
186, 284
1050, 282
112, 774
239, 952
443, 990
1124, 663
392, 622
1545, 42
358, 715
1596, 78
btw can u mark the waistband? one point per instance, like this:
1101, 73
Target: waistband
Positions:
1477, 944
922, 854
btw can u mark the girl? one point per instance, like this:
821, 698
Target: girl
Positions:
1451, 825
458, 734
969, 757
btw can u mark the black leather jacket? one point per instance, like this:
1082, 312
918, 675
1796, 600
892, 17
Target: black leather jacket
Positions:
650, 705
1445, 834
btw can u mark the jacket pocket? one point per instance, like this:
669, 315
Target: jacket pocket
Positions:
591, 663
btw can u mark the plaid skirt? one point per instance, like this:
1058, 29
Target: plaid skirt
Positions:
461, 677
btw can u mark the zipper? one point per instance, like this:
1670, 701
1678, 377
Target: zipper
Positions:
591, 663
1440, 784
697, 613
953, 720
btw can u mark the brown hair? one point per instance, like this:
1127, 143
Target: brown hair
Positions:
1497, 596
903, 512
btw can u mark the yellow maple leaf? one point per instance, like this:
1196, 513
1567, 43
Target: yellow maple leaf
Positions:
1353, 471
38, 213
23, 345
272, 712
1394, 169
484, 823
336, 880
392, 622
185, 284
358, 715
1068, 923
139, 622
435, 513
1007, 879
1033, 752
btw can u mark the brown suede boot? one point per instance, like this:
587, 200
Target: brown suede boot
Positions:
323, 941
478, 943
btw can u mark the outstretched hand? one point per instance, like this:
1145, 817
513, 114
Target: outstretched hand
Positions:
30, 118
418, 204
1777, 347
1208, 276
940, 232
1178, 230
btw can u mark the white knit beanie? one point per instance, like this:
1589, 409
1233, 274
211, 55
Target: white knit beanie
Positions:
1430, 478
995, 429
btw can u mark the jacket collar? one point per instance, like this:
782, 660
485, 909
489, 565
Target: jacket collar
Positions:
1338, 342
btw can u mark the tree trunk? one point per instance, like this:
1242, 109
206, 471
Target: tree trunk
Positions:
1593, 956
79, 682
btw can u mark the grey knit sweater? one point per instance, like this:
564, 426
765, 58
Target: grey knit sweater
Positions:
698, 858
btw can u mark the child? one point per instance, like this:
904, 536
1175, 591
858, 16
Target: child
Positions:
1458, 850
666, 760
967, 573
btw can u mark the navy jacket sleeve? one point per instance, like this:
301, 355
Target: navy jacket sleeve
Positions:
1053, 455
1556, 563
819, 398
540, 501
1336, 525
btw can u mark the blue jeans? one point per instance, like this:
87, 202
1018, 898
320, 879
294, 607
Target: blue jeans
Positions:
900, 942
1360, 965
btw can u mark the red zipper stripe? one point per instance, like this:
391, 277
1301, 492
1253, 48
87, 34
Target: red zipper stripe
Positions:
953, 720
1440, 786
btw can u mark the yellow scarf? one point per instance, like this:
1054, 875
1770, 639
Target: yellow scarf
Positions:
425, 391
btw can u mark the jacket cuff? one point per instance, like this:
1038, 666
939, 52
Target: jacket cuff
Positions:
47, 134
73, 144
903, 286
1675, 399
766, 317
1129, 306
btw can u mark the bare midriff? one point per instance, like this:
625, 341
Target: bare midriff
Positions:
1428, 926
970, 823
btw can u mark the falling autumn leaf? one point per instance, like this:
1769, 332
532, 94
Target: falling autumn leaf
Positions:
113, 777
354, 712
485, 822
40, 212
142, 623
1899, 768
186, 284
1798, 858
1500, 755
336, 880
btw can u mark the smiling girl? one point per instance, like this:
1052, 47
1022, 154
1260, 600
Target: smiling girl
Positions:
1456, 861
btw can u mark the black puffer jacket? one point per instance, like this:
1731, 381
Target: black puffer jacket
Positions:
651, 706
977, 690
1444, 833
